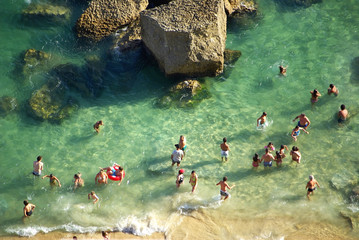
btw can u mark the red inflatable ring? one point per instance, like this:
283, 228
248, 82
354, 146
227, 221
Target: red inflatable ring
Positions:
112, 176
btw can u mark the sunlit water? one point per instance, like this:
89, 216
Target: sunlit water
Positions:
316, 43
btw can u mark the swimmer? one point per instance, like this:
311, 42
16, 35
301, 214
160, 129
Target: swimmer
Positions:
342, 114
101, 177
262, 119
296, 132
315, 96
177, 155
79, 182
28, 209
283, 70
180, 178
93, 195
38, 166
303, 121
281, 150
333, 89
311, 186
118, 173
278, 159
193, 180
224, 149
53, 180
270, 147
182, 144
97, 125
256, 160
224, 185
296, 155
267, 157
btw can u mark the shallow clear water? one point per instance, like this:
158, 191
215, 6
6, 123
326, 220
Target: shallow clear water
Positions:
316, 43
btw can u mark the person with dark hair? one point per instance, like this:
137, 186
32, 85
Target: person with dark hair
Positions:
115, 171
97, 125
267, 158
342, 114
281, 150
177, 155
105, 235
224, 185
101, 177
79, 182
93, 195
270, 147
28, 209
296, 132
282, 70
193, 180
315, 96
256, 160
296, 155
333, 89
278, 159
303, 121
262, 120
224, 149
38, 166
53, 180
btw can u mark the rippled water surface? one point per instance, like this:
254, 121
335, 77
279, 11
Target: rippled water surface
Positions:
318, 44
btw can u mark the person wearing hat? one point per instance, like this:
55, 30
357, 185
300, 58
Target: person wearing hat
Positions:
311, 186
177, 155
180, 178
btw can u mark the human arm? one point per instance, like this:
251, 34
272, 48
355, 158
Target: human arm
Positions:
286, 147
304, 130
45, 176
317, 184
229, 186
258, 121
121, 177
96, 198
296, 118
58, 181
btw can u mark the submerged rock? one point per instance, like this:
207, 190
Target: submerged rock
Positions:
187, 37
341, 180
7, 105
34, 60
104, 17
352, 217
41, 10
188, 93
231, 56
50, 102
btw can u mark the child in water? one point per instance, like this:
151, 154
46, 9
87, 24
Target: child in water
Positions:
256, 160
180, 178
193, 180
278, 159
270, 147
93, 195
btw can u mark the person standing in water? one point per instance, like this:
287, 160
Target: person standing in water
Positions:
282, 70
267, 157
315, 96
182, 144
296, 155
296, 132
262, 120
97, 125
53, 180
79, 182
93, 195
193, 180
333, 89
224, 149
101, 177
180, 178
311, 186
303, 121
281, 150
278, 159
342, 114
28, 209
224, 185
177, 155
256, 160
38, 166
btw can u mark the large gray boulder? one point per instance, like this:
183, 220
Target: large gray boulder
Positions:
187, 37
104, 17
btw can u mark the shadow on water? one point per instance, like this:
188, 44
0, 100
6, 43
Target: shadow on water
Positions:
294, 5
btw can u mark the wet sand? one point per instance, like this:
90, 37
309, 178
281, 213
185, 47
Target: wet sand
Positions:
212, 225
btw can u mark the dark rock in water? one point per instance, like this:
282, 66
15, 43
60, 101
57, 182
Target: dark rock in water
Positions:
46, 11
303, 3
354, 68
340, 181
187, 93
129, 38
34, 60
104, 17
231, 56
50, 102
7, 105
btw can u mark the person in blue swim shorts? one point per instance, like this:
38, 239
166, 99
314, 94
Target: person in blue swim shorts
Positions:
303, 121
267, 158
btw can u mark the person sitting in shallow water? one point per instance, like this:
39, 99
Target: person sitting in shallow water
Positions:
333, 89
342, 114
97, 125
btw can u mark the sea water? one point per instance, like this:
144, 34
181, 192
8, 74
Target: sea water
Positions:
317, 44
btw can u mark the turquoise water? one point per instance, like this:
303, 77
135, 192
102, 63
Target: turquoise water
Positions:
317, 44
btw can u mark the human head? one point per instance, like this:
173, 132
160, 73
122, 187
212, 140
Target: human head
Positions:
302, 114
256, 155
264, 114
74, 238
342, 107
104, 234
270, 143
315, 91
76, 176
51, 175
278, 154
224, 139
26, 202
193, 172
120, 168
177, 146
331, 85
281, 146
296, 127
267, 150
293, 148
225, 178
311, 177
100, 122
92, 192
181, 171
39, 158
181, 137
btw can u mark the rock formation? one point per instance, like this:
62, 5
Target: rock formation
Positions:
129, 38
240, 6
7, 105
187, 37
33, 59
104, 17
46, 11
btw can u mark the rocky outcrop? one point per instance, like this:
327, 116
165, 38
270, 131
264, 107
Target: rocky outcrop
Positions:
7, 105
41, 10
231, 56
50, 102
33, 59
188, 93
129, 38
187, 37
240, 6
104, 17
